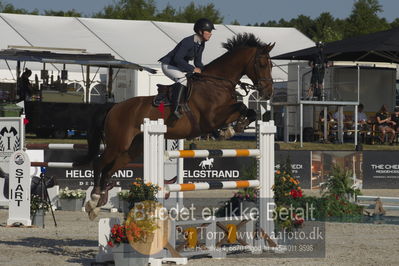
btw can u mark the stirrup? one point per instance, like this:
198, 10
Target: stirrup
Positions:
177, 114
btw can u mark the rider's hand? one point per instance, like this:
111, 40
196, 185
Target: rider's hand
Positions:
197, 70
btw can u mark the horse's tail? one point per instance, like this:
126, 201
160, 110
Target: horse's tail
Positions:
94, 135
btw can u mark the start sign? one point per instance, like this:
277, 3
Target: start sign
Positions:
19, 190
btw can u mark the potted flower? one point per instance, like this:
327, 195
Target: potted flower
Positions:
132, 241
38, 208
71, 200
123, 197
140, 191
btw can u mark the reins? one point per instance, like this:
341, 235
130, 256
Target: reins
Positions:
243, 85
246, 87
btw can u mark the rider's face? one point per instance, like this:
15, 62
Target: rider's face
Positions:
206, 35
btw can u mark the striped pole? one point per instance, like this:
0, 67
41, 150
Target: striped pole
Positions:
213, 153
58, 146
212, 185
73, 165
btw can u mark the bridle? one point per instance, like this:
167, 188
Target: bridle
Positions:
257, 67
257, 57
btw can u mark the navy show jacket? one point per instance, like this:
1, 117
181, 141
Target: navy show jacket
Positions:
186, 50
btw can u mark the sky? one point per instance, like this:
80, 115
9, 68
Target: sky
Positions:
244, 11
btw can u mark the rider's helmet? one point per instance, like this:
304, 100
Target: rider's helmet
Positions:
203, 24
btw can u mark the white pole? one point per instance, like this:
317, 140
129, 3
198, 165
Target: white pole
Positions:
180, 173
146, 152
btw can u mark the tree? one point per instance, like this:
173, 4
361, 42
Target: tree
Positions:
129, 9
69, 13
326, 28
9, 8
146, 10
364, 19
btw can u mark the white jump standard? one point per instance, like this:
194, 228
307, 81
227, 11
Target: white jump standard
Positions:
155, 156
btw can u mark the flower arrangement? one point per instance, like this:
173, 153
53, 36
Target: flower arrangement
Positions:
288, 196
37, 203
249, 194
140, 191
140, 225
67, 193
124, 195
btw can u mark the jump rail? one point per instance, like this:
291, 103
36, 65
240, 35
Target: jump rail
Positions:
73, 165
58, 146
212, 185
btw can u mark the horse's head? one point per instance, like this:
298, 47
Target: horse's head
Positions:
259, 70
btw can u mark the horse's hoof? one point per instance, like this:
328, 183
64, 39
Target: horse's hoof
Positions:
88, 207
94, 213
91, 204
95, 197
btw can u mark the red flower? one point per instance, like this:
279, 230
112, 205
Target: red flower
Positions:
110, 244
296, 193
298, 220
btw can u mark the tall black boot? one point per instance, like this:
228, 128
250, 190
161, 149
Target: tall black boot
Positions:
178, 92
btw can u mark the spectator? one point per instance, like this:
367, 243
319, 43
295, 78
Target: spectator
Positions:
362, 120
395, 119
24, 85
383, 123
318, 64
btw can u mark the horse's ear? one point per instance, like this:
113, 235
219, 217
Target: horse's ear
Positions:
270, 46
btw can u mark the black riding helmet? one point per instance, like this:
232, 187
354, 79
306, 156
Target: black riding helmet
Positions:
203, 24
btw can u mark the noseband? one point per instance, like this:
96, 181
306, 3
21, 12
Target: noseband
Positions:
257, 66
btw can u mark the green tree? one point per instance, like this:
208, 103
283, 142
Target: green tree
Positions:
69, 13
9, 8
364, 19
146, 10
326, 28
129, 9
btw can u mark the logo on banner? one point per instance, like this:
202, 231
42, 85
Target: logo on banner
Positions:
207, 162
19, 159
9, 140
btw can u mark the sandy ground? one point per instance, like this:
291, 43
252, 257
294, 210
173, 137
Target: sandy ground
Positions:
74, 242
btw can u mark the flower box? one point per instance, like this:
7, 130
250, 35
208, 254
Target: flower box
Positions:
125, 255
38, 218
71, 204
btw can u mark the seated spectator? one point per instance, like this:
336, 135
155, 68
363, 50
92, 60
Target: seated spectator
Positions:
362, 121
395, 119
383, 123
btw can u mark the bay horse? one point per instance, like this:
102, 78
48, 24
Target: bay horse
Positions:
213, 104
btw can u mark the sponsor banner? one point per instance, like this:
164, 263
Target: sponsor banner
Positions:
82, 177
323, 163
380, 169
231, 168
217, 169
300, 165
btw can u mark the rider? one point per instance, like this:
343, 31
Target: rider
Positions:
175, 64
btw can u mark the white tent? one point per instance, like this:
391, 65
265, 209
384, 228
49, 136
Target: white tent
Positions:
141, 42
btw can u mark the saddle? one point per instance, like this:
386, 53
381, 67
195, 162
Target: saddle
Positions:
165, 93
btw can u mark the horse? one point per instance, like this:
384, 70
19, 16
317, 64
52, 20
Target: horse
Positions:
212, 104
207, 162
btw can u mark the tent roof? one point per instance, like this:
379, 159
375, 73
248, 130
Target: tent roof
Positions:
141, 42
99, 60
381, 46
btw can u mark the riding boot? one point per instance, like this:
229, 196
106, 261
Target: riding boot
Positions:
178, 92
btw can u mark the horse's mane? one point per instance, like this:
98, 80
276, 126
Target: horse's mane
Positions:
242, 40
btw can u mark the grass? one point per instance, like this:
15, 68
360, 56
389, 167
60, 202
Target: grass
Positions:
243, 144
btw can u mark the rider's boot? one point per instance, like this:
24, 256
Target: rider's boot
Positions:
178, 92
